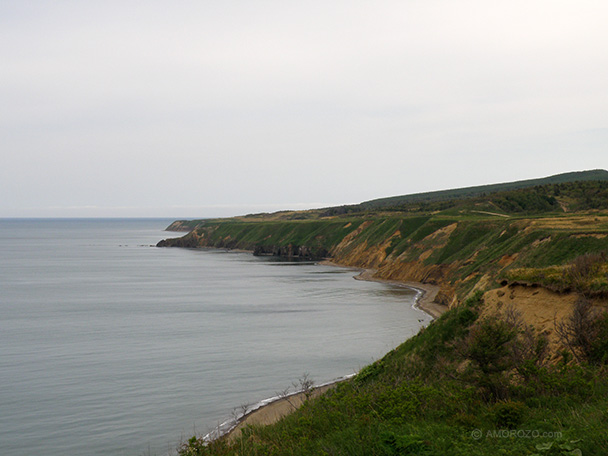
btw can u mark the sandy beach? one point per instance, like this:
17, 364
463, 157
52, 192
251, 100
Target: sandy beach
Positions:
277, 409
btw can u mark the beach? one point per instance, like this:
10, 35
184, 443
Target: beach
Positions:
276, 409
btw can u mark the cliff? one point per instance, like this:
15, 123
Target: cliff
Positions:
459, 253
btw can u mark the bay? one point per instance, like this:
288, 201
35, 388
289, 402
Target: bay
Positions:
111, 346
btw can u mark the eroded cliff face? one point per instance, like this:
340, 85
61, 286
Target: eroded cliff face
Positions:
350, 252
390, 268
361, 255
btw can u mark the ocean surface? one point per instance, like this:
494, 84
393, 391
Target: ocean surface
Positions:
111, 346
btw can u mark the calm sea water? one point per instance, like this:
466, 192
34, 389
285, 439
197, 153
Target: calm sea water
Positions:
109, 346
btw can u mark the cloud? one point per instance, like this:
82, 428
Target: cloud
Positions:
146, 104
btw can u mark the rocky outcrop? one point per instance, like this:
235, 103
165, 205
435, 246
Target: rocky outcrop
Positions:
292, 251
190, 241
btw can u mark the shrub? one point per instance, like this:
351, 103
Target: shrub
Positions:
487, 345
194, 447
508, 414
394, 444
582, 270
369, 372
585, 333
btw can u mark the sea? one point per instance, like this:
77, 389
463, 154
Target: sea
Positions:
111, 346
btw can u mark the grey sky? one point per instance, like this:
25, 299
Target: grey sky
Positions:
208, 108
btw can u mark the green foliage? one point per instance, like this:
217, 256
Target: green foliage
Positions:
436, 343
194, 447
508, 414
369, 372
395, 444
465, 240
380, 230
585, 333
555, 448
533, 200
488, 345
598, 353
586, 274
561, 248
429, 228
408, 226
476, 245
568, 180
316, 236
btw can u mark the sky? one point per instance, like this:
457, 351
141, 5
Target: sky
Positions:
192, 109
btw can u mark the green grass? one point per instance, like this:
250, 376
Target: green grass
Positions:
561, 249
586, 274
576, 191
466, 239
483, 190
248, 235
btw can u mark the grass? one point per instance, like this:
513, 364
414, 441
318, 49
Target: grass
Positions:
586, 274
484, 190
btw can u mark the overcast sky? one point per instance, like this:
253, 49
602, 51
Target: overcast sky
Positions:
216, 108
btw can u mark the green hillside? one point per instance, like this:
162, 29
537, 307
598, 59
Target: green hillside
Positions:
468, 192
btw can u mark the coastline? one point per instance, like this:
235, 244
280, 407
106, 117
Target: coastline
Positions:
425, 301
270, 411
273, 409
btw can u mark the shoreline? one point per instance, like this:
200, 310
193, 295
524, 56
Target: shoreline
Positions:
425, 301
271, 410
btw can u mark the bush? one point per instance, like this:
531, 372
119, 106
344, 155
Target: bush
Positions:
585, 333
492, 346
369, 372
508, 414
394, 444
194, 447
488, 345
582, 270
